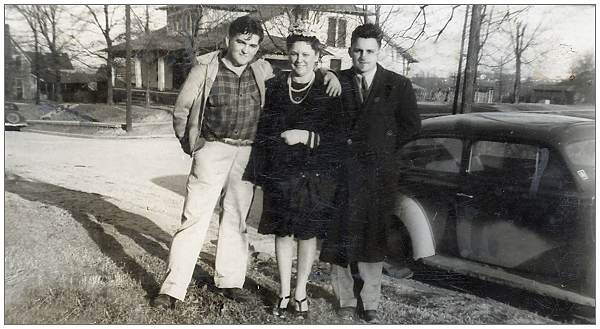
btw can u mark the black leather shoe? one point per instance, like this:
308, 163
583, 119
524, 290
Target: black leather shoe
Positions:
371, 316
164, 301
236, 294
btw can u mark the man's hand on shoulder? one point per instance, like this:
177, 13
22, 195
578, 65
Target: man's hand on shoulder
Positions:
334, 88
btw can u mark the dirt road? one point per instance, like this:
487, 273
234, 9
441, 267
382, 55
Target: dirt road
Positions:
70, 202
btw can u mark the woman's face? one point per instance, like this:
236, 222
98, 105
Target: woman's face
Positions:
302, 58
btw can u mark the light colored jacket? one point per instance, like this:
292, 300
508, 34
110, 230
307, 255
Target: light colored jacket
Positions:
191, 100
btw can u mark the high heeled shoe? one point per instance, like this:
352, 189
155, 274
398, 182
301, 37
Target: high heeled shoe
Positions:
281, 307
301, 308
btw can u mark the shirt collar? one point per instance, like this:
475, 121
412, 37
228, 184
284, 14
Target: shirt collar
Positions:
369, 76
238, 71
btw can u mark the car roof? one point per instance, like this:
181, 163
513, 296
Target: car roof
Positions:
519, 125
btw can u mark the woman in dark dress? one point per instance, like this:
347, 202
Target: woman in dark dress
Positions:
295, 164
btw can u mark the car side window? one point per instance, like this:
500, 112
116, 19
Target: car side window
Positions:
510, 162
556, 177
433, 154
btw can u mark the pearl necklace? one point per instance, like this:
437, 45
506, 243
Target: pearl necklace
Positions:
307, 87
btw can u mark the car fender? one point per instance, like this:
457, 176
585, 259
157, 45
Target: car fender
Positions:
414, 218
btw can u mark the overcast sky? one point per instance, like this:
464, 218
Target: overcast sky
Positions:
569, 32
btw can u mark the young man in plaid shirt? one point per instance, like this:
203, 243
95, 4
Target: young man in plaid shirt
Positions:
215, 119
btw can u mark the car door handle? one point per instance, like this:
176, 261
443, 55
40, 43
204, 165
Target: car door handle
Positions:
464, 195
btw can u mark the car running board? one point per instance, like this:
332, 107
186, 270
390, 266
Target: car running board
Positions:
500, 276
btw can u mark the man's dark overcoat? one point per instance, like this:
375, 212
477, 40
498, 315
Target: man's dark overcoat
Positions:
372, 132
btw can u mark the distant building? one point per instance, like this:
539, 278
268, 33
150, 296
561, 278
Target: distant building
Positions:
162, 57
19, 80
553, 93
20, 75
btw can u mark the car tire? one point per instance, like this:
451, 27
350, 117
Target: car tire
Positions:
12, 117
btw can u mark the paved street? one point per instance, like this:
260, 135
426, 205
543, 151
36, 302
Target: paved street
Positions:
142, 176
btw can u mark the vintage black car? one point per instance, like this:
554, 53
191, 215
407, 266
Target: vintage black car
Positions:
13, 120
506, 197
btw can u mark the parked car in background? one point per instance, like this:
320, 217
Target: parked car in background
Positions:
13, 120
507, 197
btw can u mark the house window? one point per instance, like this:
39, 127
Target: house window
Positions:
441, 155
19, 88
18, 64
511, 162
335, 64
300, 13
336, 32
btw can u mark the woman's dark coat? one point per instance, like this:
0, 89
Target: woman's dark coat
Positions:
298, 182
372, 132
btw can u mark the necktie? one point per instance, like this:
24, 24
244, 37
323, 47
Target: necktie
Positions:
364, 90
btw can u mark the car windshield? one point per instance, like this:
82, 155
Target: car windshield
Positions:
582, 155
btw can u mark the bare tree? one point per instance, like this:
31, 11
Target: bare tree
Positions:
387, 17
522, 39
28, 12
472, 55
103, 19
48, 17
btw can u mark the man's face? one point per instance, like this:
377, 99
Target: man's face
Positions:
364, 53
241, 48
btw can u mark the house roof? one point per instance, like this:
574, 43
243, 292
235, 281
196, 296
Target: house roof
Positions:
80, 77
209, 41
45, 60
342, 9
403, 51
212, 39
155, 40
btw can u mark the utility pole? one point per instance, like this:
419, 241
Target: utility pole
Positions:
471, 64
128, 121
460, 59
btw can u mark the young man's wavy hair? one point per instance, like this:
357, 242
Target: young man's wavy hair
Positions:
367, 31
246, 25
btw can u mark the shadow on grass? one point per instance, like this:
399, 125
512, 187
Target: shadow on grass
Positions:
84, 208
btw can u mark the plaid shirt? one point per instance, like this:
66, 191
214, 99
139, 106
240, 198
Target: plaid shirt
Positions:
233, 106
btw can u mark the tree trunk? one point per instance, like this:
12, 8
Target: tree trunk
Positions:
128, 116
472, 55
109, 59
460, 60
109, 76
517, 86
58, 88
36, 67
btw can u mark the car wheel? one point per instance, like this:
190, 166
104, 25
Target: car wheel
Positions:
12, 117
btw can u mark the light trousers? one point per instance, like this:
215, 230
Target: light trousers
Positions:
343, 284
215, 167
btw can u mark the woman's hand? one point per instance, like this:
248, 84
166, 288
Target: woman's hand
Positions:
295, 136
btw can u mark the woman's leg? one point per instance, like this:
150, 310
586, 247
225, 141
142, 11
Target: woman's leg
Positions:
306, 257
284, 250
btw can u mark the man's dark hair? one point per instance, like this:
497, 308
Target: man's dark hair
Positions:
314, 43
246, 25
367, 31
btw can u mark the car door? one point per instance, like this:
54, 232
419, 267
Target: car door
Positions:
512, 215
430, 170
